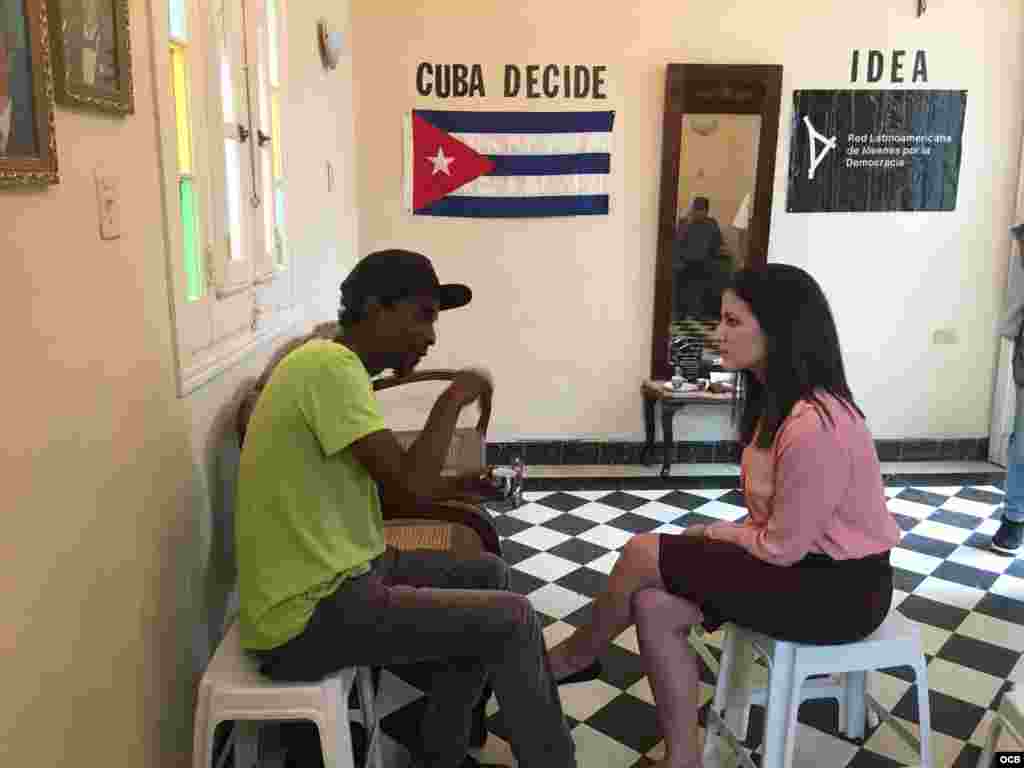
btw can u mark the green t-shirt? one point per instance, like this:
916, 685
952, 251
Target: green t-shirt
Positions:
308, 514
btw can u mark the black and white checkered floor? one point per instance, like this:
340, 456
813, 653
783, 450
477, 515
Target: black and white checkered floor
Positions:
969, 602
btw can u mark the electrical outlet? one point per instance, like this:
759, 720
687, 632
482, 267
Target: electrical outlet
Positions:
108, 198
945, 336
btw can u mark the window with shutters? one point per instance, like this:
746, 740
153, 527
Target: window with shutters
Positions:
220, 91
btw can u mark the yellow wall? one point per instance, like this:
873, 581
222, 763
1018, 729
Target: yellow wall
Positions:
111, 559
563, 308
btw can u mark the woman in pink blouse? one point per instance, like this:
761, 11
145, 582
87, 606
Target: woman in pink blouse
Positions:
809, 563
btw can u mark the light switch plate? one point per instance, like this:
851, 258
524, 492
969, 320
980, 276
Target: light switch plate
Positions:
109, 200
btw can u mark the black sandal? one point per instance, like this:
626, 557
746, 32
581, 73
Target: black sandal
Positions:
583, 675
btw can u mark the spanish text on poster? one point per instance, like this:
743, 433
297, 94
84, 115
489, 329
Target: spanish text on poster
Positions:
863, 150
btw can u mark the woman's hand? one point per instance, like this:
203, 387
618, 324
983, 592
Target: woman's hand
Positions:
697, 529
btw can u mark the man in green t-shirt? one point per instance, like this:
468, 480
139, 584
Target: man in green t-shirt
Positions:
319, 590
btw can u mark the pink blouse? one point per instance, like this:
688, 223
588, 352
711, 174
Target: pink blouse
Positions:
818, 488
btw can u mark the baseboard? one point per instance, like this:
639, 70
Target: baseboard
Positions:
695, 480
612, 452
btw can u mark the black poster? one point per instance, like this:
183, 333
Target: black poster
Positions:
871, 150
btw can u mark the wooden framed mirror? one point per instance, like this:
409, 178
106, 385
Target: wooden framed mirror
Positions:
719, 139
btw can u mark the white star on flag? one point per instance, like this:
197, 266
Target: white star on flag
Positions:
441, 163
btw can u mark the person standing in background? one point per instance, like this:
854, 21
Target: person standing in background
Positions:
1010, 536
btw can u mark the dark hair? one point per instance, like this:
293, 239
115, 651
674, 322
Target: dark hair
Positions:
348, 316
802, 355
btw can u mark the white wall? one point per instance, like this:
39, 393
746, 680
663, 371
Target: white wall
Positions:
111, 558
563, 308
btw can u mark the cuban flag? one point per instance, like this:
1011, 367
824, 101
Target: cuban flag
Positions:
507, 164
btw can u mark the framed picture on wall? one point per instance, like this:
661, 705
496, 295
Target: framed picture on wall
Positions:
28, 146
92, 64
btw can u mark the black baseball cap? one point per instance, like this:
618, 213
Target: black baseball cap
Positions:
397, 274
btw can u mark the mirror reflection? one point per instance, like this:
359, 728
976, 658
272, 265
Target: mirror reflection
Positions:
717, 172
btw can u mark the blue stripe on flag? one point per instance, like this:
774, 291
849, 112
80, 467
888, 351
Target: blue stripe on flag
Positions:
550, 165
517, 207
518, 122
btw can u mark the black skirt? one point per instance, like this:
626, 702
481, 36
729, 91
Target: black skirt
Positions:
816, 600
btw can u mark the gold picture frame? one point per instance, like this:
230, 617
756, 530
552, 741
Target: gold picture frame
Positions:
92, 55
28, 144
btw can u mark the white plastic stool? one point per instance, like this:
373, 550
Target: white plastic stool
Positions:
233, 689
896, 643
1011, 717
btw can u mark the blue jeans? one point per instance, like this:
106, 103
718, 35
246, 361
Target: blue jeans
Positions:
1013, 508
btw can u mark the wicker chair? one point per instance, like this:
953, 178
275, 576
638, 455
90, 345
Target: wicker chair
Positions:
464, 529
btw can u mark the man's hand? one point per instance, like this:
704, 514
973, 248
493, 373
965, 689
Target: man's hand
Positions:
471, 384
478, 484
474, 487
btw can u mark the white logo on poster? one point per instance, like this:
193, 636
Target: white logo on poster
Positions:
816, 158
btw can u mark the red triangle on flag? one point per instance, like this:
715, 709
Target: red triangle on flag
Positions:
441, 163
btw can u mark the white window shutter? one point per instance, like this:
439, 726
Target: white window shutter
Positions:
230, 155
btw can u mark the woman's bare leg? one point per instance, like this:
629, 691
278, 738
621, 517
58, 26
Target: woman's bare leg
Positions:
663, 624
636, 569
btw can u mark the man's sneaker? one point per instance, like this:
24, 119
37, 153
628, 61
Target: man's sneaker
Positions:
1009, 538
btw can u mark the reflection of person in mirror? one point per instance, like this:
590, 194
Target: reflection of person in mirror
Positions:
741, 223
16, 118
700, 262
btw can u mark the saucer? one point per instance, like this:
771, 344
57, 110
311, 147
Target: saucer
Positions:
686, 387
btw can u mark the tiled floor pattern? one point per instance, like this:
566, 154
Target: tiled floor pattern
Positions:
969, 602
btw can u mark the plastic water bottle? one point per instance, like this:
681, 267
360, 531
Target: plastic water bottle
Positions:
520, 478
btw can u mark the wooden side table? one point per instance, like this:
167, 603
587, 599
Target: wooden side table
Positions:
654, 392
